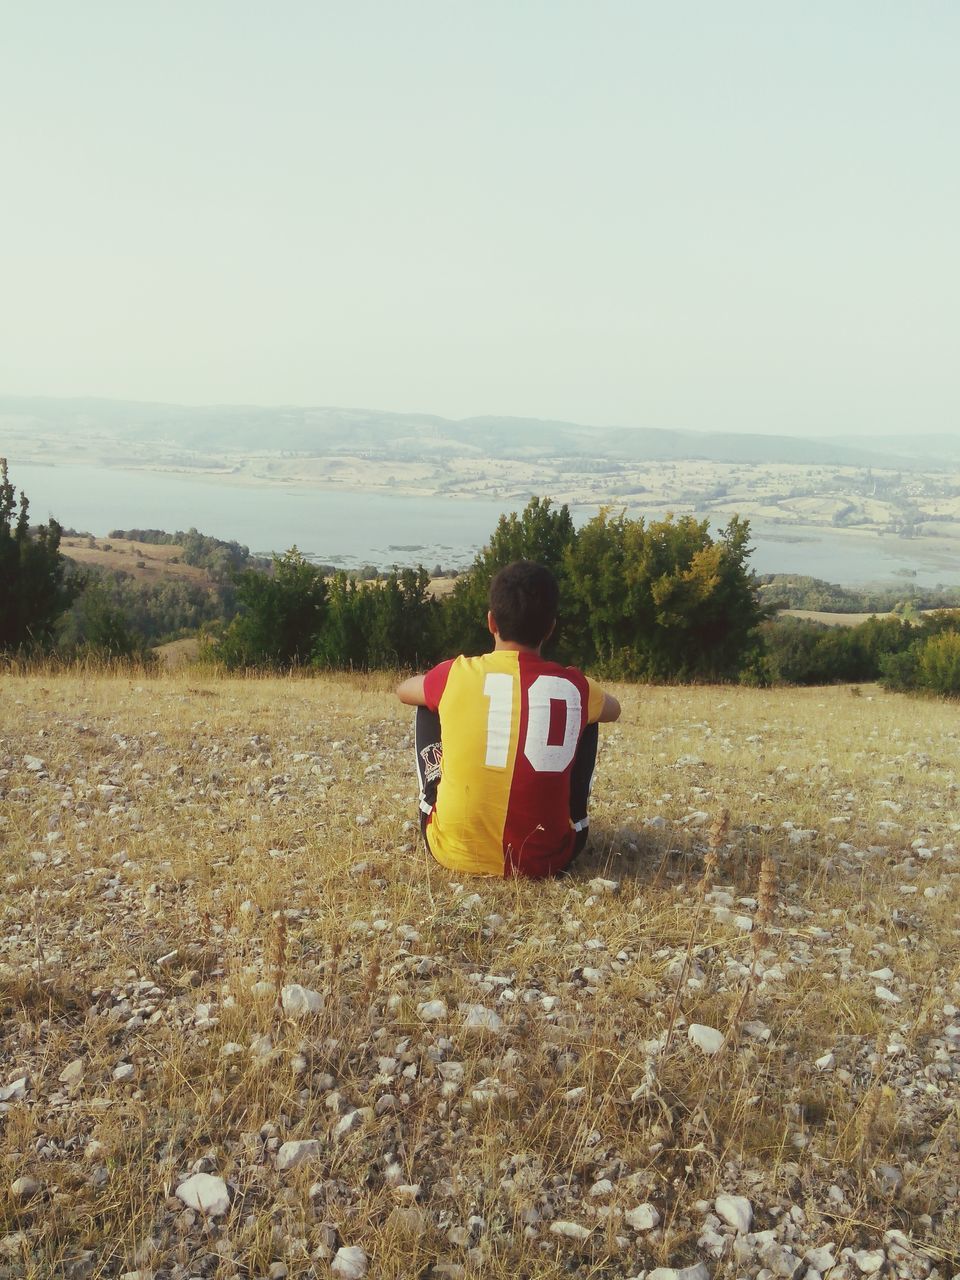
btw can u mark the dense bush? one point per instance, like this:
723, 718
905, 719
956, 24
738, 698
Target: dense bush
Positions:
903, 654
153, 610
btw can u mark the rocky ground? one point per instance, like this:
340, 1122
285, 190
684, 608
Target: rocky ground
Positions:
247, 1030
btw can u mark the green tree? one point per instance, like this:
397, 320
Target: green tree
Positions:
280, 615
97, 625
33, 586
542, 533
663, 601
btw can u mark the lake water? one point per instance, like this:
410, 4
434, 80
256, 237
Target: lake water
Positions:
352, 529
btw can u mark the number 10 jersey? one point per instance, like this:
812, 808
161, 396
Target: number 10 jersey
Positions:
510, 726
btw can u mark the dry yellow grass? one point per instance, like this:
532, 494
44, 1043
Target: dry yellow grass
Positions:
145, 560
190, 845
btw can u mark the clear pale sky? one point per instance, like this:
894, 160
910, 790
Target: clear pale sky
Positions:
737, 215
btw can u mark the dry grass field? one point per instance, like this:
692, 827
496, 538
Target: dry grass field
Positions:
248, 1030
140, 559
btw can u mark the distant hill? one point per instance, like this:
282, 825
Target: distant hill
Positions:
305, 430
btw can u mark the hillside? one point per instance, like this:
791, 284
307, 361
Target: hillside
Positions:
142, 560
496, 1079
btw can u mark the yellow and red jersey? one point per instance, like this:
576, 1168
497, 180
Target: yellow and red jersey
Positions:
511, 723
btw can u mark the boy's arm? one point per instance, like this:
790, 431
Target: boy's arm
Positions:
610, 709
411, 692
603, 707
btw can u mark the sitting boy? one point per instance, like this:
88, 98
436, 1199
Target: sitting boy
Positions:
507, 742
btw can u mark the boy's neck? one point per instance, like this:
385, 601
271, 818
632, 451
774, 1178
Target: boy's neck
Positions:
513, 646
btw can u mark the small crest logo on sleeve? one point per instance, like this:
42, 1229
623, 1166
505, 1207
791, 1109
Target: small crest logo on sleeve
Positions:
431, 756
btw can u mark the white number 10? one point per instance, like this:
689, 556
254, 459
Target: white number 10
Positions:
543, 755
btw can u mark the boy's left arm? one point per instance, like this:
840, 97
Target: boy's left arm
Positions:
411, 691
603, 708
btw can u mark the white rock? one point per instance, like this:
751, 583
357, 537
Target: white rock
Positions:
736, 1211
73, 1072
869, 1260
708, 1040
697, 1272
642, 1218
882, 975
347, 1123
821, 1259
570, 1230
599, 885
479, 1020
124, 1071
350, 1262
14, 1091
887, 996
602, 1187
33, 764
292, 1154
431, 1011
24, 1188
300, 1002
206, 1194
826, 1063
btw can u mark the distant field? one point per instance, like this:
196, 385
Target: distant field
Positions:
846, 619
224, 952
141, 559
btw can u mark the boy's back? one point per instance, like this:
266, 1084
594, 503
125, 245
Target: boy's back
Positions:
512, 722
504, 756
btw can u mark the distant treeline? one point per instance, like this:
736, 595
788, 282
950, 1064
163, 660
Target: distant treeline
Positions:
218, 557
796, 591
658, 601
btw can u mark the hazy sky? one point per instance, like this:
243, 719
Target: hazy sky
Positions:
713, 214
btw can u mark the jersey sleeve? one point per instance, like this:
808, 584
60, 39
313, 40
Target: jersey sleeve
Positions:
595, 697
434, 683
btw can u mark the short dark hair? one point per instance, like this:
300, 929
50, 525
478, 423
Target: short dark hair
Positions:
523, 600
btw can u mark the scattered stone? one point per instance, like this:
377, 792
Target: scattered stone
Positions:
14, 1091
889, 1178
868, 1260
697, 1272
292, 1154
781, 1261
124, 1071
347, 1123
821, 1259
73, 1072
642, 1218
33, 764
206, 1194
570, 1230
24, 1188
432, 1011
479, 1020
707, 1039
300, 1002
736, 1211
826, 1063
350, 1262
887, 996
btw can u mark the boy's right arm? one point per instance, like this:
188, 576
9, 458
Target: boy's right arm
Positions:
610, 709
